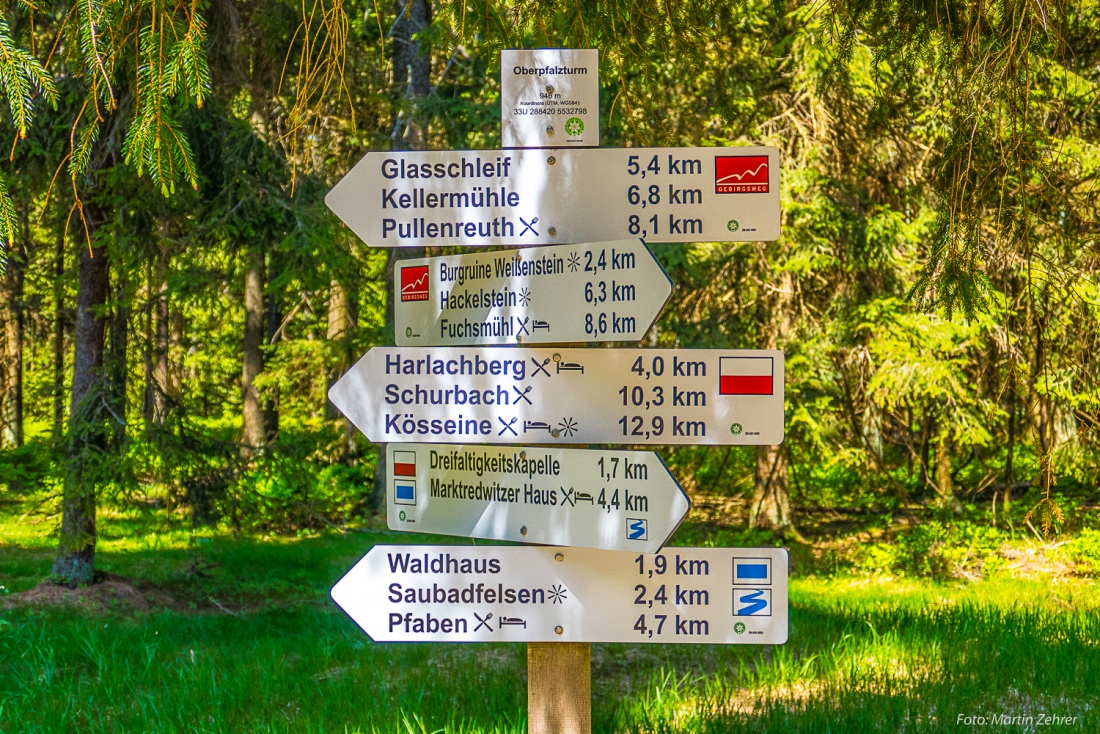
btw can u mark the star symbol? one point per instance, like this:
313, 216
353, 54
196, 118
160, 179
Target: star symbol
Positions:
558, 594
574, 262
525, 295
568, 426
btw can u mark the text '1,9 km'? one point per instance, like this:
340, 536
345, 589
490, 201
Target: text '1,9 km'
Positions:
538, 594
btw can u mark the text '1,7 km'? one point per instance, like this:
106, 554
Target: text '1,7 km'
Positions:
569, 396
541, 594
614, 500
561, 196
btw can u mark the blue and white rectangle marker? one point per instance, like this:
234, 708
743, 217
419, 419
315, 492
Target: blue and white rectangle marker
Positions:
752, 571
404, 491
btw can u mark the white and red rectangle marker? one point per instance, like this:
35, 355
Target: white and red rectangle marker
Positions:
746, 375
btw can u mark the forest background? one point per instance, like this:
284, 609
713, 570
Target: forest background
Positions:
176, 299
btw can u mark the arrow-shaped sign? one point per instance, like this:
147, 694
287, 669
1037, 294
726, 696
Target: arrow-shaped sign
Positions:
560, 196
540, 295
539, 594
615, 500
523, 396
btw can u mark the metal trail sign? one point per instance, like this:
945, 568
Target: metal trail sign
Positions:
540, 295
568, 396
561, 196
614, 500
539, 594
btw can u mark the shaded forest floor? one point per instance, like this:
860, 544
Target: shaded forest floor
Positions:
215, 632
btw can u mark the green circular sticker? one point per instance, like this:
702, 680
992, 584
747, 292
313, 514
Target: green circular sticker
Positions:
733, 225
402, 515
739, 628
408, 331
735, 429
574, 126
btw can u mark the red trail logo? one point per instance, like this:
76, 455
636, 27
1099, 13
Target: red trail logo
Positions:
414, 283
741, 174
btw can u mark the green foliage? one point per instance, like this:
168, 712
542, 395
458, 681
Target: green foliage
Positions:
28, 469
935, 549
283, 492
934, 289
862, 655
21, 76
1085, 549
168, 73
155, 140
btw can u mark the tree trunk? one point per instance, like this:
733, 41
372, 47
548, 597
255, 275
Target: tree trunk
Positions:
342, 320
944, 486
157, 387
118, 337
252, 435
925, 444
1007, 500
771, 502
271, 403
59, 321
12, 312
173, 369
412, 69
75, 561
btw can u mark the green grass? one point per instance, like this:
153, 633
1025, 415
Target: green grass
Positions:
865, 655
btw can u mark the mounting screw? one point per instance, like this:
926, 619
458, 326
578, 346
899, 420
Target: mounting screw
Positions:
553, 231
523, 530
559, 557
551, 160
550, 130
559, 629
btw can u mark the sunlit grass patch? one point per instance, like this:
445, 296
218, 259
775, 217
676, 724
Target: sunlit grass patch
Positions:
251, 642
864, 656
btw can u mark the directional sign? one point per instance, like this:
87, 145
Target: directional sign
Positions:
522, 395
538, 594
550, 96
615, 500
534, 296
561, 196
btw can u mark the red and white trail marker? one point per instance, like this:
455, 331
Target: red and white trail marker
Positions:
746, 375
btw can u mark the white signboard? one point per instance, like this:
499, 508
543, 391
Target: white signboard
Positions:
614, 500
550, 97
432, 593
547, 395
538, 295
561, 196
